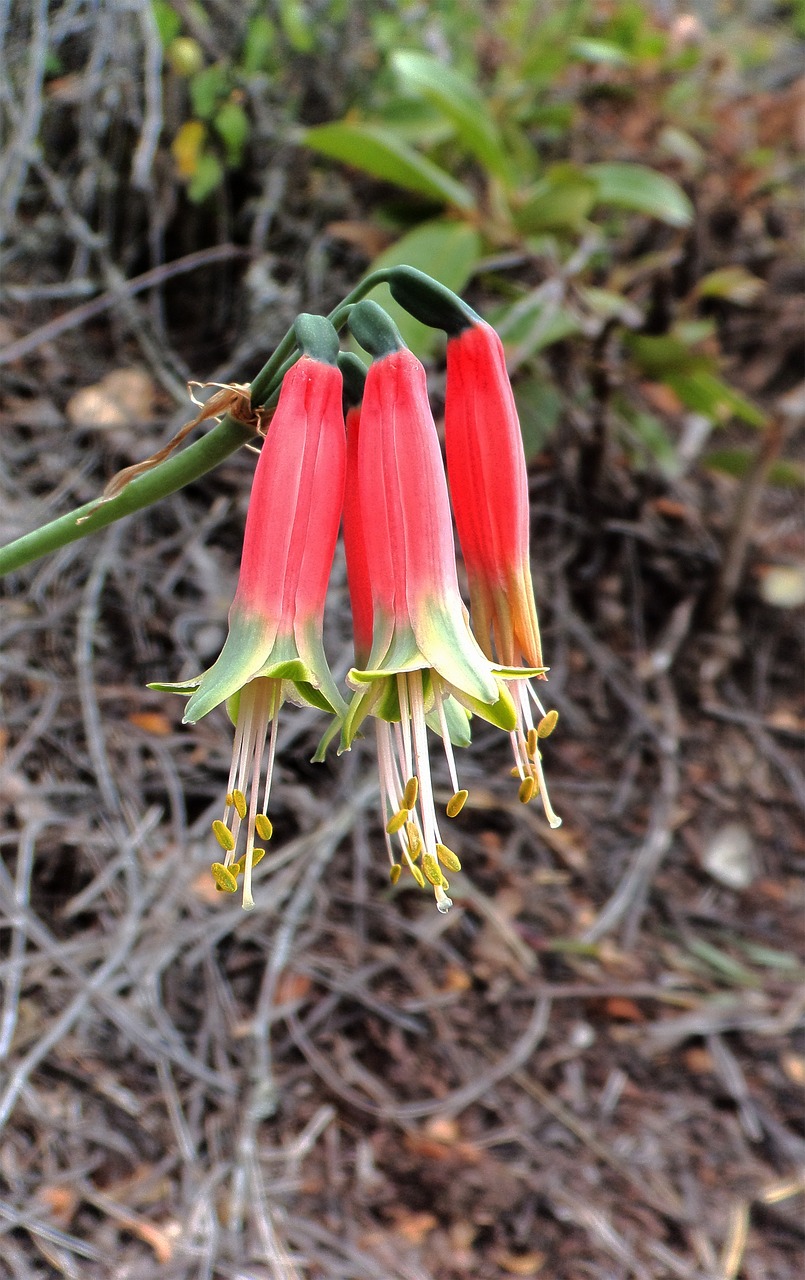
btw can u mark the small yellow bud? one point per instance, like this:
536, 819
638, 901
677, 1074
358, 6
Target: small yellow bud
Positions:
527, 788
223, 835
547, 724
263, 826
394, 872
456, 803
224, 880
411, 793
448, 857
239, 801
397, 822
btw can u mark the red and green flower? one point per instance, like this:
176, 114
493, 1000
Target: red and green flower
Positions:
274, 651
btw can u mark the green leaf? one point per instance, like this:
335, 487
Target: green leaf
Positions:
735, 284
297, 26
634, 186
207, 89
259, 42
169, 24
232, 125
658, 357
444, 249
601, 52
381, 153
651, 434
561, 201
783, 474
457, 99
208, 176
539, 405
535, 322
706, 393
610, 305
414, 120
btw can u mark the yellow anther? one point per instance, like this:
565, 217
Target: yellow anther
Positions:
263, 826
531, 742
239, 801
414, 839
223, 877
223, 835
514, 772
547, 724
410, 794
397, 822
239, 867
432, 870
448, 857
527, 789
456, 803
417, 874
395, 870
228, 799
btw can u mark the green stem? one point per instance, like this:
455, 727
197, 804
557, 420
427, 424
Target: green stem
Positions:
176, 472
146, 489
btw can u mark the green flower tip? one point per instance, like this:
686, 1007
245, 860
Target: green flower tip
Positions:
316, 338
374, 330
430, 302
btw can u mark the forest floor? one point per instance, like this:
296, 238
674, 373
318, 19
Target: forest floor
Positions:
592, 1067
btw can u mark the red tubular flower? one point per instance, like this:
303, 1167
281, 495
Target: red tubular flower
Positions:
424, 666
360, 591
489, 487
274, 650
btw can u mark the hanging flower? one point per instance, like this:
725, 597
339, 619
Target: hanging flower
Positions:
273, 652
424, 665
489, 487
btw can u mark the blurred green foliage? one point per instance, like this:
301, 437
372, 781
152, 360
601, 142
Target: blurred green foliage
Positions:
485, 137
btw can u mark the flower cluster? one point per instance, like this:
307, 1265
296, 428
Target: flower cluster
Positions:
421, 665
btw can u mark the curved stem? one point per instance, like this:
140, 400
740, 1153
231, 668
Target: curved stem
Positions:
175, 472
169, 476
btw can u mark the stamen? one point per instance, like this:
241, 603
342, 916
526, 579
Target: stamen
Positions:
273, 711
445, 732
395, 872
258, 854
456, 803
432, 870
527, 789
443, 903
448, 857
414, 839
223, 877
410, 794
239, 801
420, 744
223, 835
531, 741
404, 726
397, 822
415, 872
263, 826
547, 724
553, 818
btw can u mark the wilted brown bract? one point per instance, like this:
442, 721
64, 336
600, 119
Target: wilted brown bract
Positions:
232, 398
